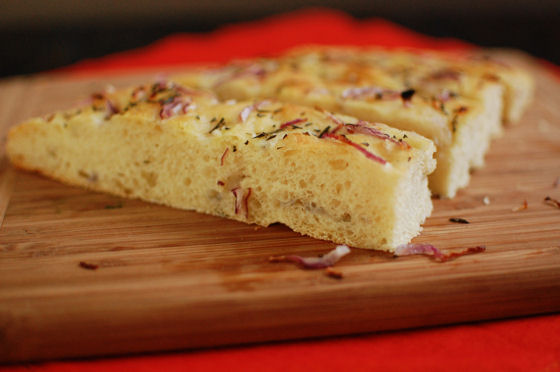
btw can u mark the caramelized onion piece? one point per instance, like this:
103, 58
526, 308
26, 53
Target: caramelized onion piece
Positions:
345, 140
322, 262
292, 122
244, 114
552, 202
436, 253
364, 127
242, 200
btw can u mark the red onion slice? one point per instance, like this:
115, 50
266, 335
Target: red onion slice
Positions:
223, 158
254, 69
445, 95
157, 88
331, 116
176, 106
242, 200
292, 122
112, 109
259, 105
359, 92
139, 93
237, 192
345, 140
371, 92
244, 114
436, 253
363, 128
322, 262
339, 123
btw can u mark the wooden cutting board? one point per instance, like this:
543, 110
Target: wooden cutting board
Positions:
171, 279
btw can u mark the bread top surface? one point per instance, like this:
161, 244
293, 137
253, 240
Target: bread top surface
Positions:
465, 73
351, 87
265, 123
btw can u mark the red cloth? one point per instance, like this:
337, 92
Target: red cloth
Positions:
530, 344
264, 37
527, 344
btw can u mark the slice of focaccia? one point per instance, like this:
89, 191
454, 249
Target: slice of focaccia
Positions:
461, 127
330, 177
465, 74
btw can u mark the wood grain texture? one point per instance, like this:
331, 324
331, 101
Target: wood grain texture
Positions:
171, 279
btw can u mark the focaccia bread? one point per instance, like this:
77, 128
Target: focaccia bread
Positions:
461, 127
328, 176
464, 74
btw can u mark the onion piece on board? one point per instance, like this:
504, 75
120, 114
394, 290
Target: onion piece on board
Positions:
322, 262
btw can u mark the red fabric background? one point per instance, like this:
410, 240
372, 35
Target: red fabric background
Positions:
528, 344
264, 37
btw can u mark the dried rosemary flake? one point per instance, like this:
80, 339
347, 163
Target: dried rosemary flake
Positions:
324, 131
220, 123
454, 123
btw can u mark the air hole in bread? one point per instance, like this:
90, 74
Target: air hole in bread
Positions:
150, 177
338, 164
338, 188
214, 195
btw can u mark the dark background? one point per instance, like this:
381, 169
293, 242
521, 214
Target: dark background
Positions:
39, 35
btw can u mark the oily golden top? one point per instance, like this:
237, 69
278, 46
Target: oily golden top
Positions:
318, 78
266, 123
